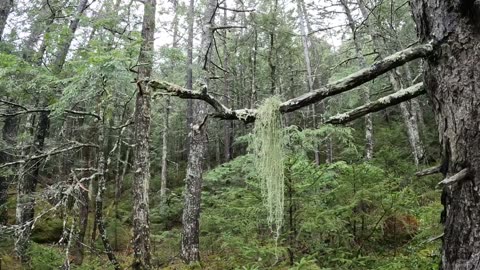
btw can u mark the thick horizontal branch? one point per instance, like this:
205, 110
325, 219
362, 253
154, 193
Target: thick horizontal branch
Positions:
343, 85
358, 78
379, 104
52, 152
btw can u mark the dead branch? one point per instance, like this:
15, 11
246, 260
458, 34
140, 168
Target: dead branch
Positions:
55, 151
428, 171
340, 86
378, 105
454, 178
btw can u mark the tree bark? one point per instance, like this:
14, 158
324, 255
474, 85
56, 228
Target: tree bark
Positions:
9, 135
227, 125
61, 55
27, 182
141, 220
190, 250
102, 186
366, 92
5, 9
164, 171
189, 77
452, 80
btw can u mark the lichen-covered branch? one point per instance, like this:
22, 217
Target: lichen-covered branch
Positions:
379, 104
340, 86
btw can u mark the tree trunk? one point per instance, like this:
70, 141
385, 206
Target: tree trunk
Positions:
5, 9
408, 113
9, 135
189, 77
452, 80
61, 55
366, 92
190, 251
102, 183
227, 125
312, 81
253, 93
164, 171
141, 222
27, 182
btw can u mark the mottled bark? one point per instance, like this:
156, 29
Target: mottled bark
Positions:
190, 250
5, 9
189, 75
102, 183
141, 182
452, 80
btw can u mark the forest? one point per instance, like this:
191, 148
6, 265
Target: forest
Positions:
240, 134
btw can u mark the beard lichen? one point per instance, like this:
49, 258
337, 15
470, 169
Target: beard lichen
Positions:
268, 149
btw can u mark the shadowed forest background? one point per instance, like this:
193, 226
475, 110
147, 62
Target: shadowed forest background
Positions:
106, 164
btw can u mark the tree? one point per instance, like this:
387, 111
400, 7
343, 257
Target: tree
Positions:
198, 148
452, 81
366, 92
5, 9
141, 221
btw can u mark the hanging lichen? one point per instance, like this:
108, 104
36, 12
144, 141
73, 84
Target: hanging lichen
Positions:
268, 149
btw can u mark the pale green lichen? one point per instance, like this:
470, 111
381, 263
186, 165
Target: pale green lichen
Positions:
268, 148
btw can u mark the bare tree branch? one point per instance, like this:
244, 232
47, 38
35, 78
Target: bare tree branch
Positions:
379, 104
428, 171
236, 10
343, 85
55, 151
454, 178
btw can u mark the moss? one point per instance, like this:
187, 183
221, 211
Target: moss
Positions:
48, 230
